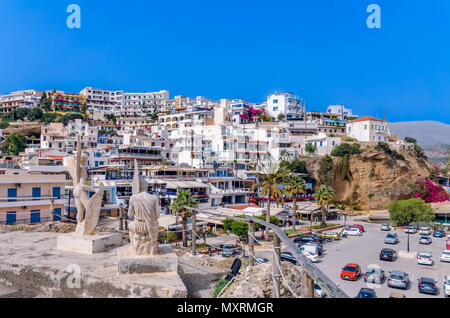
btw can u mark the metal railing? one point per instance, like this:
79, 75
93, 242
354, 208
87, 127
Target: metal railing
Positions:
311, 272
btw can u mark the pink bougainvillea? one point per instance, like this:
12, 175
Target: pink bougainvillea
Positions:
430, 192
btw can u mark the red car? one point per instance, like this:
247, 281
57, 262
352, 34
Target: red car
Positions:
447, 244
351, 272
359, 226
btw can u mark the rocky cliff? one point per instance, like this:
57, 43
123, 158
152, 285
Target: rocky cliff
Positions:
374, 179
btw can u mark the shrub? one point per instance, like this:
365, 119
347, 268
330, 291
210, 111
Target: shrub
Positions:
412, 210
219, 286
346, 149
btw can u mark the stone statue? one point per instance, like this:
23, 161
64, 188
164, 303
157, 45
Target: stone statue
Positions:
88, 208
144, 229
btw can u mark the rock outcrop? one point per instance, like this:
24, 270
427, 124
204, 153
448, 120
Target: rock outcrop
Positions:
374, 178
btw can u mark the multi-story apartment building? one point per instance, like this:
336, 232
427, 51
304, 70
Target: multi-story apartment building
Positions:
130, 124
20, 99
369, 129
102, 100
68, 103
287, 104
138, 104
28, 198
53, 136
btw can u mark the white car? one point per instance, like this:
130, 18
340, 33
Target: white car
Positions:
425, 231
312, 256
353, 231
424, 259
445, 256
410, 230
447, 286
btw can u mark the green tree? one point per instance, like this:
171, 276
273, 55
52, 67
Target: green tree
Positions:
46, 102
281, 117
324, 196
111, 117
295, 187
295, 166
413, 210
310, 148
14, 144
35, 114
270, 177
48, 118
326, 170
184, 200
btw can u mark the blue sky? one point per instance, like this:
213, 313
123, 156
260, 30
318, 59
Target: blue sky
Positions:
320, 50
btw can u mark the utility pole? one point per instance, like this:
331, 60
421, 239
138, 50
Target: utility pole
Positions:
52, 209
276, 266
194, 227
121, 218
251, 233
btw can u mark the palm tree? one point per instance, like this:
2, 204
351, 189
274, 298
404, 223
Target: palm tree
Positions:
270, 178
184, 200
324, 195
295, 186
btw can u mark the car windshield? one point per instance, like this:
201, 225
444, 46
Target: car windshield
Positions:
424, 238
350, 268
424, 255
390, 236
228, 246
448, 281
397, 276
446, 253
386, 252
427, 283
373, 271
365, 294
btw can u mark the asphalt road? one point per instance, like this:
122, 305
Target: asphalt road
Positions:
364, 251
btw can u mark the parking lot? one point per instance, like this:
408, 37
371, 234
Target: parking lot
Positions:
364, 250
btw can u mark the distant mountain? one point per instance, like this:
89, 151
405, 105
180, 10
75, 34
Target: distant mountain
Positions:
427, 133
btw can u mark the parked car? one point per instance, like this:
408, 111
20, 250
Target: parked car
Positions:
427, 286
310, 248
447, 244
410, 230
425, 231
397, 295
445, 256
388, 254
319, 292
313, 257
439, 233
351, 272
366, 293
359, 226
391, 238
330, 236
374, 274
288, 257
318, 245
424, 259
385, 227
305, 239
353, 231
447, 286
317, 237
425, 240
229, 250
398, 279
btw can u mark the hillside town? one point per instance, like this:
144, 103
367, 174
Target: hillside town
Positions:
308, 169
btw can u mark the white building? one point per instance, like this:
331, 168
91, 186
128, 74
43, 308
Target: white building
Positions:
285, 103
102, 100
20, 99
369, 129
138, 104
341, 111
324, 144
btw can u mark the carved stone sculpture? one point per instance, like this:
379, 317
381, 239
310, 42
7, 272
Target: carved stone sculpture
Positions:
144, 229
88, 208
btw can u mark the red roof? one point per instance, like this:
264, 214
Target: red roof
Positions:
56, 157
242, 207
367, 118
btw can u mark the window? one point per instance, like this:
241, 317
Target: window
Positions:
275, 101
275, 109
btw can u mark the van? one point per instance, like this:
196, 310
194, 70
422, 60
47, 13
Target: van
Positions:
309, 248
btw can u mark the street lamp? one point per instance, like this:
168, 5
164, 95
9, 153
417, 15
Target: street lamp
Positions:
408, 240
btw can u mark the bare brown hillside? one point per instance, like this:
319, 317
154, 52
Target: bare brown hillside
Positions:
374, 180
